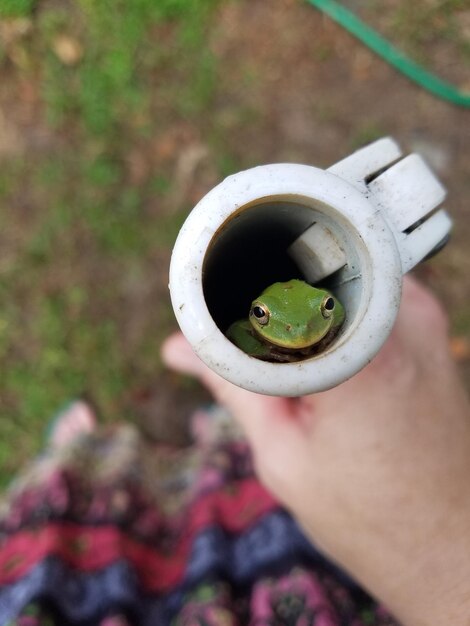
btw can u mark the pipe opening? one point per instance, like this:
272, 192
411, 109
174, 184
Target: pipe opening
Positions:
249, 252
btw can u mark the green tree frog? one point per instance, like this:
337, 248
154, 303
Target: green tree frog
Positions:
288, 322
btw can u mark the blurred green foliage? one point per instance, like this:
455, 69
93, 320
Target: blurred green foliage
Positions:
16, 8
121, 53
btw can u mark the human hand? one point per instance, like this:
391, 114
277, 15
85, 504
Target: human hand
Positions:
376, 470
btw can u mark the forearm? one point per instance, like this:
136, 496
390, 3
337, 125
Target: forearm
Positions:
421, 584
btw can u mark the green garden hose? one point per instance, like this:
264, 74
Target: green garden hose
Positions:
392, 55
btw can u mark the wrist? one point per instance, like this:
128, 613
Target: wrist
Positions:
436, 587
422, 583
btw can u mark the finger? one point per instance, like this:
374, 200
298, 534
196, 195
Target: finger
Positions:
420, 307
260, 416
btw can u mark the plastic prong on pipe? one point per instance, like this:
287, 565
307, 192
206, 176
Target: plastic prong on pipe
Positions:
317, 253
367, 161
407, 192
416, 245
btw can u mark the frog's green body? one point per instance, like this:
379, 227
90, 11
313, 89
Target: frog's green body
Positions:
288, 322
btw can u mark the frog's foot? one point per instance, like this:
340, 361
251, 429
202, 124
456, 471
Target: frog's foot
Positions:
78, 419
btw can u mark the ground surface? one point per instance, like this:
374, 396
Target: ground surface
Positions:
116, 117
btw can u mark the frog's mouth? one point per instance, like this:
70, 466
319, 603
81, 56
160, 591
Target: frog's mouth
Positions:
294, 343
283, 354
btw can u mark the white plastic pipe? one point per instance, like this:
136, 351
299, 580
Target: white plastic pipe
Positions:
358, 227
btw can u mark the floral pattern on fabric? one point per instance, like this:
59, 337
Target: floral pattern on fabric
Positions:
114, 531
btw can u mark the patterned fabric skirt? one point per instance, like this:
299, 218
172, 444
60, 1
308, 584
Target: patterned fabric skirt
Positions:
114, 531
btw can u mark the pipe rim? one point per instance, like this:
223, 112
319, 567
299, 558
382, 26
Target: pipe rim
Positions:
382, 283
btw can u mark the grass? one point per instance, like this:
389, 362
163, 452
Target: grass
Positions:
366, 133
422, 29
110, 89
16, 8
64, 329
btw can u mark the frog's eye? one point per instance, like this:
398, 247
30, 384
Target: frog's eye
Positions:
260, 313
327, 306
